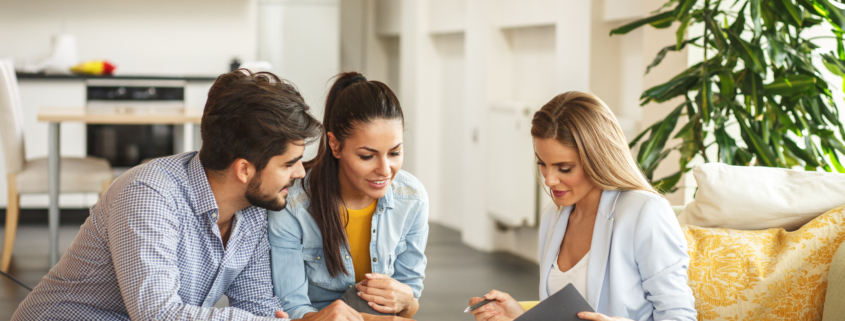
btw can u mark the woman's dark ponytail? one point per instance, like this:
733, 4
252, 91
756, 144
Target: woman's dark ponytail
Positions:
352, 101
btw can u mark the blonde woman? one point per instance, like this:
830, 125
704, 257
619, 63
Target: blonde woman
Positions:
609, 233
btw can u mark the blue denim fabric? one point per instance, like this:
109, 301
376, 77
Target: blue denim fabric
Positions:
400, 232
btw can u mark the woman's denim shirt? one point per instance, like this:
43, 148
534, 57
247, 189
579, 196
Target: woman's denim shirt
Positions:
399, 235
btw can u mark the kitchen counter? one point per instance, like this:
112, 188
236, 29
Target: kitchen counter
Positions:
41, 76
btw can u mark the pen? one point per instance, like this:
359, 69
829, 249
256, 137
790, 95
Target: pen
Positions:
477, 305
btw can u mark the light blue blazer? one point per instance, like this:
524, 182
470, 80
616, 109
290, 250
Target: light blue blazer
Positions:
638, 257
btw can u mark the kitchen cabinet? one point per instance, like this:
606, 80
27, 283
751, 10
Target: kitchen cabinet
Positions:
69, 92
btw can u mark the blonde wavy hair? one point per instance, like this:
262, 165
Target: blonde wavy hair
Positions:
582, 121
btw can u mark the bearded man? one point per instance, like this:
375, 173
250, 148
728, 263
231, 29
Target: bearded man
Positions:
170, 237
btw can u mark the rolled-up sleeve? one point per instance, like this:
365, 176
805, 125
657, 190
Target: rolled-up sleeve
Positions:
144, 234
662, 259
290, 283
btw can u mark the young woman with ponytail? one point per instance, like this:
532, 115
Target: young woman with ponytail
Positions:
356, 226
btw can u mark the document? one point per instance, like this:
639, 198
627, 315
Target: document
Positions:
561, 306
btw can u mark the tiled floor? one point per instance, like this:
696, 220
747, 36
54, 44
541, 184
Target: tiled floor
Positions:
455, 272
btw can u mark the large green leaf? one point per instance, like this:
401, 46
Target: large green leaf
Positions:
777, 48
669, 90
651, 148
658, 19
705, 98
795, 13
739, 24
834, 65
662, 53
727, 146
683, 9
800, 152
718, 35
667, 184
789, 86
835, 15
764, 152
755, 16
752, 55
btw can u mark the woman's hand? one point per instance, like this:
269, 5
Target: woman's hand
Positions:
370, 317
599, 317
504, 307
386, 295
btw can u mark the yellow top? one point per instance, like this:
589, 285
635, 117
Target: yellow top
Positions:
358, 232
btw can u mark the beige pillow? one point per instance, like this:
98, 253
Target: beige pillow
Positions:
753, 198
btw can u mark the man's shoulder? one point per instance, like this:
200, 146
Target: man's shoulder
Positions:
163, 175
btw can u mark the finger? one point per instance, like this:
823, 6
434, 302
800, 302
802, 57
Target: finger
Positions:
383, 308
497, 295
486, 315
377, 276
373, 298
487, 308
593, 316
344, 310
281, 315
378, 283
387, 294
351, 314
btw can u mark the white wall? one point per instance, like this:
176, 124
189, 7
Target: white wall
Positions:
184, 37
457, 59
301, 40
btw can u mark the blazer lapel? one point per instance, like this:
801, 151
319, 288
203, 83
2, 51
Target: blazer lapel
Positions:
600, 247
553, 240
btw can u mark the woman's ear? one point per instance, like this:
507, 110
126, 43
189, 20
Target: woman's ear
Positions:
334, 144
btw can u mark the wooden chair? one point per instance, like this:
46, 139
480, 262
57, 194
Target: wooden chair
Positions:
78, 175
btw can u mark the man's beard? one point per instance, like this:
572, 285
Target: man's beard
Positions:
269, 201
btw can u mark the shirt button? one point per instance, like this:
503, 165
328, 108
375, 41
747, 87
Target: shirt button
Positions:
318, 257
350, 286
347, 257
381, 209
375, 260
374, 231
214, 214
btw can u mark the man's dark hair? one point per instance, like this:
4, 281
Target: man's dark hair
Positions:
252, 116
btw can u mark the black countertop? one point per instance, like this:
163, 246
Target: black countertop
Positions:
40, 76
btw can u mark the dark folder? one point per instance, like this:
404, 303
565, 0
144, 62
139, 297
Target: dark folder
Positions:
561, 306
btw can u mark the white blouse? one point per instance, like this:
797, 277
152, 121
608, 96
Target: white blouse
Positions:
577, 275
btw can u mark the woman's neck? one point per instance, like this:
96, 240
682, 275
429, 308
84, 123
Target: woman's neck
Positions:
352, 197
588, 206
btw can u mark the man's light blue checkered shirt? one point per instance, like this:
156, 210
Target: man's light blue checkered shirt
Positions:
151, 250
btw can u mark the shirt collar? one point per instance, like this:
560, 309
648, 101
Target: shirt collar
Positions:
386, 201
203, 197
607, 203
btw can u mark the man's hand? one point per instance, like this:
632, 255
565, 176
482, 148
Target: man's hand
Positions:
337, 311
385, 294
281, 315
503, 308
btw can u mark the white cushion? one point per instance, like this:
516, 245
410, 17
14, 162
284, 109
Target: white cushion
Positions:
78, 175
753, 198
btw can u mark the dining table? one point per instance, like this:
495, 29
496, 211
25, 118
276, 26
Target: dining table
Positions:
55, 116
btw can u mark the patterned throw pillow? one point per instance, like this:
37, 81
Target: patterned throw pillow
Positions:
763, 275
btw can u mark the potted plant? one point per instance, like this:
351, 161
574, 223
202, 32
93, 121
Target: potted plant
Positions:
758, 72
